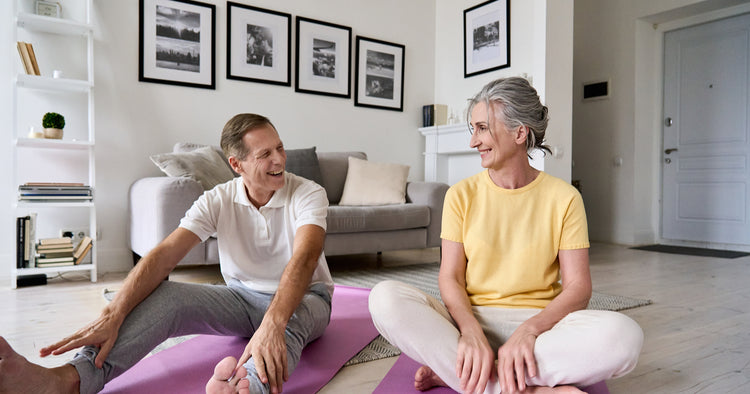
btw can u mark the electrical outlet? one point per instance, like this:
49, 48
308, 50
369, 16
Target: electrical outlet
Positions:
76, 233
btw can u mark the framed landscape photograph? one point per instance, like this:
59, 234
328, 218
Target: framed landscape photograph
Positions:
486, 37
323, 54
379, 81
177, 41
258, 45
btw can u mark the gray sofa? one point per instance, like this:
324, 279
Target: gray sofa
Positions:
156, 205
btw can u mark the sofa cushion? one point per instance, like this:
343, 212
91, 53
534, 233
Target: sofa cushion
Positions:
204, 165
334, 166
353, 219
182, 147
371, 183
304, 162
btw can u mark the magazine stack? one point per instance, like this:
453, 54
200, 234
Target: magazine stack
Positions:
54, 192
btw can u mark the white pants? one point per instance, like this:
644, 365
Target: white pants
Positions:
584, 348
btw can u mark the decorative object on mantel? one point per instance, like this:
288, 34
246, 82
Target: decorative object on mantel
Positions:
486, 37
53, 124
434, 115
34, 134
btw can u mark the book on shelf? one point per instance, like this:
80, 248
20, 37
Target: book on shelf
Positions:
23, 51
32, 57
25, 246
49, 260
54, 192
56, 241
82, 249
54, 249
20, 234
56, 184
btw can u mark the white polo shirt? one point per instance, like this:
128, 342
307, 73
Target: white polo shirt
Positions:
255, 245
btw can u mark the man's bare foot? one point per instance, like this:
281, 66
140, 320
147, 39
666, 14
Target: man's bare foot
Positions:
226, 381
18, 375
426, 378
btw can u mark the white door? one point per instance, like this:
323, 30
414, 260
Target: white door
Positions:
706, 152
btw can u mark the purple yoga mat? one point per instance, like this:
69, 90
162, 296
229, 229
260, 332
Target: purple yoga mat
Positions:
400, 379
185, 368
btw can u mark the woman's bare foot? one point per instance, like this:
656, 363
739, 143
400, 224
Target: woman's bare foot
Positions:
18, 375
226, 380
426, 378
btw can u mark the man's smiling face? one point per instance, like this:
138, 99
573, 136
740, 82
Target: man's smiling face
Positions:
262, 170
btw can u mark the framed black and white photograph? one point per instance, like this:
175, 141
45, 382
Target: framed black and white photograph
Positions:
258, 45
177, 41
379, 81
486, 37
324, 56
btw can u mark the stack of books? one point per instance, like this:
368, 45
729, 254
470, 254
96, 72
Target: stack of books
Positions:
52, 191
59, 252
54, 252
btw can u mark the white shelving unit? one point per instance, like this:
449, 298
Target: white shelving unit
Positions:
74, 24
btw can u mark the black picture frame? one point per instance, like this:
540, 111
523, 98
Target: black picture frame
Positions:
486, 37
172, 34
259, 45
379, 74
323, 58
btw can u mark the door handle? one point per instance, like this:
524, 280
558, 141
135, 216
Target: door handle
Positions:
670, 150
668, 122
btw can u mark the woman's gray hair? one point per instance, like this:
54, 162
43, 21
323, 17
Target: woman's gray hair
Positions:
521, 107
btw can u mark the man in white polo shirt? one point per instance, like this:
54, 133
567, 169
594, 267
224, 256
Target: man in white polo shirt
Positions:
270, 226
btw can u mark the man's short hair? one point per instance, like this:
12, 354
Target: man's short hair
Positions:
236, 128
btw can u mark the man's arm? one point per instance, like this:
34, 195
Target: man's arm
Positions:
140, 282
268, 344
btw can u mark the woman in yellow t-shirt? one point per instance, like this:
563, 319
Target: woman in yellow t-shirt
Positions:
514, 274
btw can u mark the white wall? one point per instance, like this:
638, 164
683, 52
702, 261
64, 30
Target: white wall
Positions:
135, 119
541, 48
621, 41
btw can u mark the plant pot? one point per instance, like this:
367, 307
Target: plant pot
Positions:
52, 133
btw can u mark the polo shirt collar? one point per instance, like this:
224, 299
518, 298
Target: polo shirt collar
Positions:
276, 201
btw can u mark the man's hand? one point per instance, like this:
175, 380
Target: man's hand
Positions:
515, 361
101, 332
474, 362
267, 347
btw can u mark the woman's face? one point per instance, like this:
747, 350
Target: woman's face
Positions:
496, 143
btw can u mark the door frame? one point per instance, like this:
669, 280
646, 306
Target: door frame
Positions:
649, 114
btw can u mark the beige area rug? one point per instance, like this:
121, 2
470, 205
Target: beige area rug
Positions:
423, 277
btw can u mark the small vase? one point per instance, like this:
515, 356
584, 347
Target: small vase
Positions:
53, 133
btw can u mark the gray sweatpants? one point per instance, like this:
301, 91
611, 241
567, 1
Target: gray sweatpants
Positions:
176, 309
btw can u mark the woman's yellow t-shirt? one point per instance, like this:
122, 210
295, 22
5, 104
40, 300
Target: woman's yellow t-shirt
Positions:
511, 237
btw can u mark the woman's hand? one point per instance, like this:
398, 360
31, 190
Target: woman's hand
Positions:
474, 362
515, 361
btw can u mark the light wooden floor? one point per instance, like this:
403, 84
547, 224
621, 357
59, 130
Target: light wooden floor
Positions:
697, 329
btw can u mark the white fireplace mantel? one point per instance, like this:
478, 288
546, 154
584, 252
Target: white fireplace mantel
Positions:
448, 157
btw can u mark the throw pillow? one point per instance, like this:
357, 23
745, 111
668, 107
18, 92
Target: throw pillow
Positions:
370, 183
205, 165
304, 162
182, 147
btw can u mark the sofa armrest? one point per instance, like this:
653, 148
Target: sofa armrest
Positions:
156, 205
431, 194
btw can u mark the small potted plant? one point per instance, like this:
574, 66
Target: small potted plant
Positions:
53, 124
